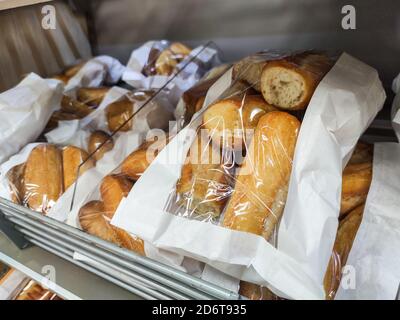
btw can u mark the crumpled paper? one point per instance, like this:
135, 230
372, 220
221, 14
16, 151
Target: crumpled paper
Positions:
25, 111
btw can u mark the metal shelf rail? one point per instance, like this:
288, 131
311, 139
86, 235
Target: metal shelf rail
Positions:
140, 275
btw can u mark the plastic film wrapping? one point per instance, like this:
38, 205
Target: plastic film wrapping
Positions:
228, 212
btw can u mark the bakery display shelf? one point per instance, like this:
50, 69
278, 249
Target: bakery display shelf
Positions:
140, 276
70, 281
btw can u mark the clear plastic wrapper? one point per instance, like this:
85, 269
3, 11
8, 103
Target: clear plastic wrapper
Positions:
247, 159
155, 63
25, 110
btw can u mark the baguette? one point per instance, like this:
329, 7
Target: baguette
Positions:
80, 109
118, 113
72, 158
112, 189
203, 188
286, 82
43, 178
59, 115
230, 120
139, 160
356, 181
264, 176
170, 57
345, 236
96, 139
92, 96
255, 292
16, 182
94, 220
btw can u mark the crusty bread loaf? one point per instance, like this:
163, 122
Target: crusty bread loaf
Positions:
70, 105
363, 152
92, 96
264, 176
100, 138
94, 220
43, 178
118, 113
255, 292
287, 82
69, 72
139, 160
16, 182
356, 181
232, 120
290, 83
170, 57
345, 236
112, 189
203, 189
72, 158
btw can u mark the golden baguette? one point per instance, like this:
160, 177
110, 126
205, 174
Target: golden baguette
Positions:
345, 236
72, 158
139, 160
263, 178
255, 292
202, 189
119, 115
286, 82
231, 120
70, 105
170, 57
96, 139
92, 96
112, 189
16, 182
43, 178
94, 220
356, 181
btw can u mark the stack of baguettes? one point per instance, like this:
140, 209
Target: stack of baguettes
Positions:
95, 216
50, 170
246, 188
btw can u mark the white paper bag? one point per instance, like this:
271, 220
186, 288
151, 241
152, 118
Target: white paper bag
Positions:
206, 58
25, 111
375, 255
343, 105
95, 72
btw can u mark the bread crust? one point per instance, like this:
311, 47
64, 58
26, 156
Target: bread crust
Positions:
43, 178
70, 105
232, 120
345, 236
72, 158
263, 176
118, 113
255, 292
170, 57
112, 189
94, 220
139, 160
92, 96
96, 139
16, 182
356, 181
203, 189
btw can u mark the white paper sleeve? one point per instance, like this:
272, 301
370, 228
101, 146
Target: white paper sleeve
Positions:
343, 105
373, 264
25, 111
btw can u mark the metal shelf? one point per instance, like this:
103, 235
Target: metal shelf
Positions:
138, 275
71, 281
